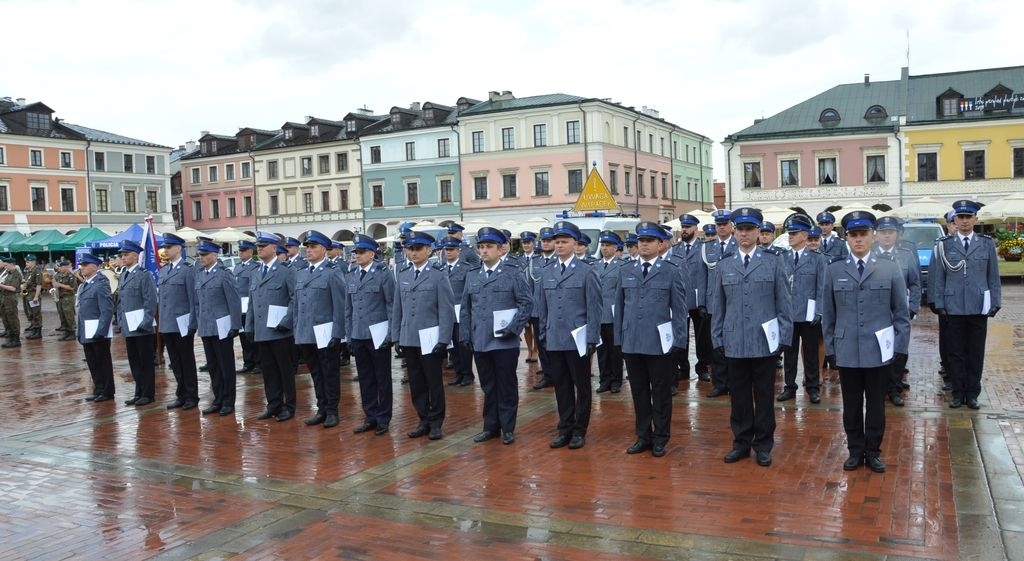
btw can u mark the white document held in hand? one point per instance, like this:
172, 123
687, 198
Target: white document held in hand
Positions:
429, 338
245, 304
771, 333
90, 326
378, 332
666, 336
579, 336
886, 341
134, 318
322, 333
275, 314
986, 304
183, 322
811, 308
502, 319
223, 326
458, 312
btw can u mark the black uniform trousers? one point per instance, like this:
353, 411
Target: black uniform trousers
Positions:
323, 369
965, 349
181, 354
250, 350
278, 373
609, 358
571, 375
702, 341
943, 346
426, 386
97, 357
220, 358
719, 365
373, 366
501, 388
751, 391
650, 381
895, 382
542, 352
808, 337
141, 350
864, 408
460, 359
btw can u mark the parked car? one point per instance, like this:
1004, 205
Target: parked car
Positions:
923, 235
229, 261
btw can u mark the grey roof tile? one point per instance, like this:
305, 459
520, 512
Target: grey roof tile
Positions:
96, 135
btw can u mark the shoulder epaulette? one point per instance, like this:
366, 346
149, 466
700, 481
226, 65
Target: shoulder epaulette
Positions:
472, 268
984, 236
944, 238
513, 264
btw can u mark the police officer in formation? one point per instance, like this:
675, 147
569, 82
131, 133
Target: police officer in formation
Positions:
495, 307
688, 255
136, 313
888, 246
66, 284
178, 320
95, 314
866, 325
832, 245
468, 253
243, 271
545, 259
455, 268
219, 311
722, 246
269, 325
964, 285
296, 259
369, 303
531, 256
609, 355
806, 272
32, 287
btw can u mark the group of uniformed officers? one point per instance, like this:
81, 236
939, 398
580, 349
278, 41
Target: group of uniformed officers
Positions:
751, 305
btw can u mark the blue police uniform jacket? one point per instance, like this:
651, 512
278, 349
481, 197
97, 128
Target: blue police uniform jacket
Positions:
566, 302
456, 277
909, 265
807, 281
744, 298
834, 248
505, 289
319, 299
608, 276
177, 296
644, 303
422, 303
243, 273
368, 301
275, 288
94, 303
957, 281
137, 291
216, 297
695, 271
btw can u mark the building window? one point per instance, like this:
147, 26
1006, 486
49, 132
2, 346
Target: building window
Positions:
197, 210
289, 134
639, 144
540, 135
480, 188
3, 159
36, 158
272, 169
232, 208
541, 184
443, 148
38, 121
342, 161
829, 117
375, 154
613, 181
65, 160
675, 150
751, 174
307, 203
478, 141
343, 199
575, 181
102, 201
625, 177
215, 209
974, 164
212, 174
247, 206
38, 199
151, 165
664, 187
275, 207
325, 201
410, 151
446, 190
662, 141
194, 172
951, 107
350, 126
508, 186
129, 202
99, 160
67, 199
229, 172
129, 163
650, 145
876, 169
928, 167
151, 202
625, 139
412, 194
324, 163
640, 189
654, 186
827, 171
314, 131
4, 202
508, 138
378, 195
790, 176
1018, 162
572, 132
307, 166
246, 170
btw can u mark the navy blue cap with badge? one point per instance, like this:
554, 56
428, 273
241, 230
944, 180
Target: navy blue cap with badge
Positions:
710, 229
858, 220
826, 218
688, 220
721, 215
317, 238
608, 236
207, 247
414, 239
565, 228
490, 235
86, 259
365, 243
455, 227
264, 237
292, 242
508, 235
814, 232
583, 239
527, 236
128, 246
172, 239
547, 233
449, 242
767, 227
631, 239
246, 245
747, 216
281, 250
336, 244
965, 207
798, 222
889, 223
654, 230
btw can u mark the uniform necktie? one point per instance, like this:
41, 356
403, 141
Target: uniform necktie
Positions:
722, 244
687, 249
449, 267
824, 245
967, 244
796, 260
362, 274
311, 267
647, 269
860, 267
563, 268
746, 261
489, 271
417, 275
605, 264
265, 269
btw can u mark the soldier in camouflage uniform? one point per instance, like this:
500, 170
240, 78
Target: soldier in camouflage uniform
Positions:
32, 287
10, 287
66, 284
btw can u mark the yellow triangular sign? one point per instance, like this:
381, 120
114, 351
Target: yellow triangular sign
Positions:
595, 195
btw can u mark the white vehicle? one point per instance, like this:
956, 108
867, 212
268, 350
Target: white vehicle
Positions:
593, 223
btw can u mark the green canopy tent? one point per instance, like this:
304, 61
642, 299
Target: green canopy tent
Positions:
9, 238
79, 239
39, 243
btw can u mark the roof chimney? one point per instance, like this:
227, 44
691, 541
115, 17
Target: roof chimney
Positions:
493, 95
867, 79
415, 106
190, 145
364, 110
21, 101
203, 133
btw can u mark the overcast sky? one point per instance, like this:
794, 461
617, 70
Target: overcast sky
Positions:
164, 71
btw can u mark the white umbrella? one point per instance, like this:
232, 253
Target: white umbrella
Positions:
230, 235
189, 234
1003, 209
425, 225
925, 207
776, 215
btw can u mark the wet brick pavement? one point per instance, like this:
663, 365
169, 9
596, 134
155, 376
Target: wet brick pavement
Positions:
90, 481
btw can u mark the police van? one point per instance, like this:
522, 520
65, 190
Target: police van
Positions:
594, 222
923, 236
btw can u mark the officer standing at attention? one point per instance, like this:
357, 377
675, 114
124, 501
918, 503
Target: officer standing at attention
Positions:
695, 272
138, 296
833, 247
66, 284
766, 235
570, 299
887, 246
273, 284
723, 245
546, 259
243, 274
651, 327
609, 355
452, 265
177, 320
10, 285
710, 232
947, 384
631, 249
320, 304
96, 310
296, 260
865, 324
468, 253
369, 300
963, 279
750, 316
531, 258
423, 306
806, 271
32, 287
495, 287
220, 319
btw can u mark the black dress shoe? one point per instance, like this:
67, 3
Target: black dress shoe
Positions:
131, 401
485, 436
905, 385
100, 398
956, 402
673, 390
896, 399
786, 395
455, 382
544, 383
225, 411
814, 396
736, 454
435, 433
466, 382
418, 431
211, 409
189, 405
947, 386
658, 450
852, 463
405, 380
874, 464
716, 392
365, 427
382, 428
331, 420
764, 458
204, 368
246, 369
91, 397
577, 442
531, 361
560, 441
507, 438
973, 403
284, 415
176, 404
639, 446
266, 414
616, 389
143, 401
703, 377
315, 419
603, 388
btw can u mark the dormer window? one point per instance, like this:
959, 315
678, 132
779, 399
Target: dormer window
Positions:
829, 117
350, 126
876, 112
213, 146
288, 134
948, 104
39, 121
396, 118
206, 147
314, 130
428, 114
